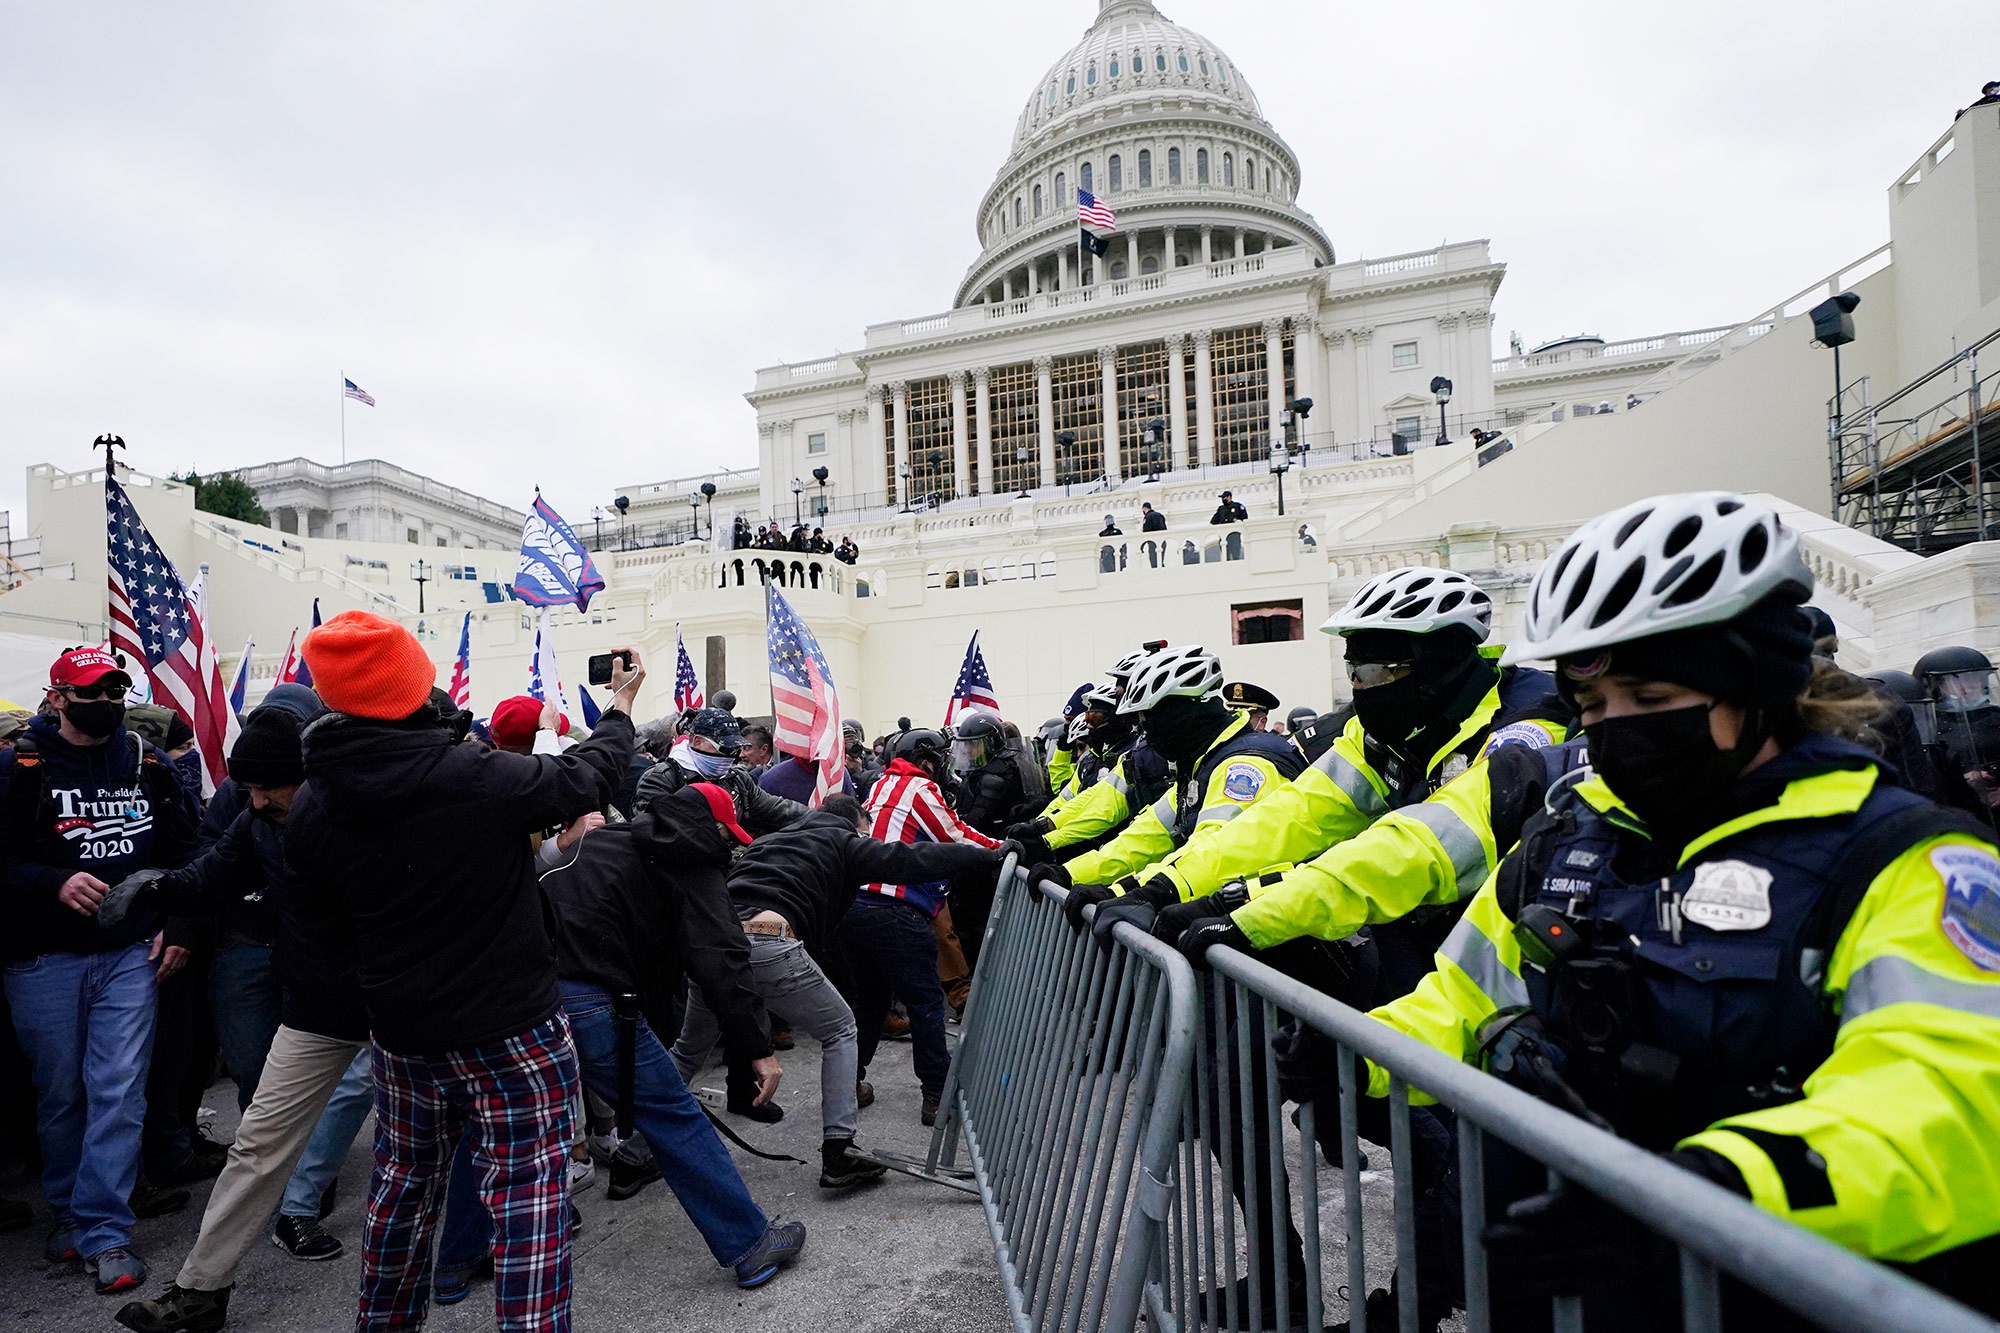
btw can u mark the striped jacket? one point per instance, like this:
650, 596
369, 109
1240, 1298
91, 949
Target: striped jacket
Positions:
906, 806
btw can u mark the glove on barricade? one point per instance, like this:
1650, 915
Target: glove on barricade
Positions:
127, 891
1135, 903
1009, 847
1034, 847
1195, 944
1177, 918
1564, 1242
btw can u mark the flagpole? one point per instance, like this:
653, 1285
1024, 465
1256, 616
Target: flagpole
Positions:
343, 418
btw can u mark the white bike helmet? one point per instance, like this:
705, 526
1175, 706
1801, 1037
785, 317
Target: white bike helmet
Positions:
1417, 601
1189, 672
1673, 562
1121, 670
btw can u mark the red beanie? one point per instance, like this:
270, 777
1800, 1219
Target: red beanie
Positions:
366, 666
515, 721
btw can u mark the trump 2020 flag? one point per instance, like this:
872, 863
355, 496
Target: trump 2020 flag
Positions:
461, 670
544, 676
803, 702
687, 687
974, 688
555, 568
240, 689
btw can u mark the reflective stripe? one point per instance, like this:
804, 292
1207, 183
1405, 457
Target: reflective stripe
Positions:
1163, 810
1353, 783
1461, 843
1892, 980
1116, 777
1220, 814
1479, 958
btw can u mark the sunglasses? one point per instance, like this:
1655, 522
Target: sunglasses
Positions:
1367, 675
92, 693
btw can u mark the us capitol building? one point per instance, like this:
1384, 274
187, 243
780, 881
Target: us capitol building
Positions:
1220, 341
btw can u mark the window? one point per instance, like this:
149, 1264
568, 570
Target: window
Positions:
1184, 62
1249, 172
1222, 72
1410, 428
1160, 61
1149, 265
1118, 270
1052, 97
1403, 355
412, 536
1114, 67
1117, 173
340, 531
1062, 191
1201, 166
1014, 403
440, 541
1090, 76
1038, 201
1241, 393
1017, 210
1071, 89
1084, 178
1145, 169
1204, 67
816, 442
1173, 166
1228, 169
1138, 64
1268, 622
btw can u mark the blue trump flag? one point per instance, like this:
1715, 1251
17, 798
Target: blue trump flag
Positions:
555, 568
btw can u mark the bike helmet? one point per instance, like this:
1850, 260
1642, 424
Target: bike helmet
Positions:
1188, 672
1121, 671
1416, 601
1673, 562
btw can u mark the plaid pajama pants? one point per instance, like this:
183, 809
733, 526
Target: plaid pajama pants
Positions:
513, 1099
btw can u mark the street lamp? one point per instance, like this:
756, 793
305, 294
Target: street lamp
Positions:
903, 476
1441, 390
421, 574
1281, 462
708, 498
820, 476
1151, 434
798, 514
597, 525
1066, 452
622, 504
1021, 469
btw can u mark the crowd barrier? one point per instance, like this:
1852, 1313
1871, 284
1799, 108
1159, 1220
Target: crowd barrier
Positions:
1114, 1103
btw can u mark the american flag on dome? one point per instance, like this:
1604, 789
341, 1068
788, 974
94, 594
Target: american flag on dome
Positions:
1094, 212
687, 688
155, 620
974, 688
802, 697
357, 393
461, 670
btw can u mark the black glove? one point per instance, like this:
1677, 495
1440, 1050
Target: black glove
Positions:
1176, 919
1008, 848
1082, 896
1042, 870
1031, 828
123, 894
1564, 1242
1137, 903
1712, 1167
1195, 944
1034, 847
1308, 1064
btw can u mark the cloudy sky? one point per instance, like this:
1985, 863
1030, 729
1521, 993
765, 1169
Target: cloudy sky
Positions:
554, 241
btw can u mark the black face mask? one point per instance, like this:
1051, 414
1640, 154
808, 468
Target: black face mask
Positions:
1392, 713
1183, 729
1666, 766
96, 718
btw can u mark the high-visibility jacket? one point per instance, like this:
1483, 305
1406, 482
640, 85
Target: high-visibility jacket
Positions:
1062, 767
1140, 772
1344, 790
1886, 1146
1422, 856
1239, 767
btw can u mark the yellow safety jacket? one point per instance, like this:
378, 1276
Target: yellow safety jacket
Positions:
1236, 771
1904, 1112
1342, 793
1062, 769
1107, 804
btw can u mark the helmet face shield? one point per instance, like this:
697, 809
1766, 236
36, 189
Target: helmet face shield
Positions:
969, 752
1963, 691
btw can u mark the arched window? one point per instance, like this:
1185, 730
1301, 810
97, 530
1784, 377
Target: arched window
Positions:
1038, 201
1204, 67
1071, 88
1138, 64
1201, 166
1184, 62
1062, 191
1017, 210
1052, 97
1090, 76
1160, 61
1145, 169
1173, 166
1228, 169
1084, 178
1249, 172
1118, 270
1114, 67
1149, 265
1222, 72
1117, 165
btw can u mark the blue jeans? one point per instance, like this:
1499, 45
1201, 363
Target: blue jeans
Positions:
243, 994
892, 950
85, 1021
332, 1139
468, 1227
692, 1159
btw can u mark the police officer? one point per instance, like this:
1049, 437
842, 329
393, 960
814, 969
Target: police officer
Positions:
1959, 682
1736, 940
1130, 774
1254, 700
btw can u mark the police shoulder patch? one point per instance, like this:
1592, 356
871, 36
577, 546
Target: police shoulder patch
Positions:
1971, 914
1518, 733
1242, 782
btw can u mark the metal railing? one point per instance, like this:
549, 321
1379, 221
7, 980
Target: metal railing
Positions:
1127, 1134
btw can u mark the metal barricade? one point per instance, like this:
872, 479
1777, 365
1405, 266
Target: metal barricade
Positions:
1067, 1088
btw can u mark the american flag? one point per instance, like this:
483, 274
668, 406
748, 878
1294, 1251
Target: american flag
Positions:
240, 690
293, 670
544, 676
356, 392
461, 671
974, 688
1094, 212
802, 696
155, 620
687, 688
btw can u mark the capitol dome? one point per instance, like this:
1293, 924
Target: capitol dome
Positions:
1159, 123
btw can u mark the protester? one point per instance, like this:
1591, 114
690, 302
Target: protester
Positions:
756, 754
82, 791
707, 752
795, 777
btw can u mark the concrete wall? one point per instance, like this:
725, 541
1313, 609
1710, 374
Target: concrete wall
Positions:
1944, 217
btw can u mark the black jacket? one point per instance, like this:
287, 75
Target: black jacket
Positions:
1229, 511
990, 796
645, 905
313, 956
757, 810
810, 872
424, 841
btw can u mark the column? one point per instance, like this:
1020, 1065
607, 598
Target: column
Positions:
1131, 254
1308, 353
1204, 392
1274, 375
1007, 285
1369, 411
982, 406
1176, 400
1239, 244
841, 466
1063, 278
1167, 256
899, 486
1045, 418
862, 467
1207, 247
1107, 402
960, 455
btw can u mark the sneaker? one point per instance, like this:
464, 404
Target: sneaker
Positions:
628, 1178
781, 1038
61, 1247
929, 1112
582, 1174
178, 1310
864, 1092
840, 1167
326, 1198
302, 1238
781, 1244
198, 1166
449, 1288
770, 1113
896, 1027
157, 1200
116, 1269
603, 1147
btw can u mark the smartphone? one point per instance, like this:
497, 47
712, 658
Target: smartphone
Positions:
600, 666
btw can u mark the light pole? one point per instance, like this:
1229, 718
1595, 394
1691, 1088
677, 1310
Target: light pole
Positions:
1065, 453
597, 526
1441, 390
1833, 326
820, 476
798, 513
903, 476
421, 574
622, 504
1150, 435
1021, 469
708, 498
1296, 413
1281, 462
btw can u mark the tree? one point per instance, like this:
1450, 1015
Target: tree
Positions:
227, 495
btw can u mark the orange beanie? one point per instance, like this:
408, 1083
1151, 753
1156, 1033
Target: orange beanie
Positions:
366, 666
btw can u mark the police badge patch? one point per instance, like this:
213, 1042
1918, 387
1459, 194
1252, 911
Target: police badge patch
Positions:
1971, 916
1242, 782
1729, 895
1518, 733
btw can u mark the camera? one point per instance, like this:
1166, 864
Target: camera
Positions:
600, 666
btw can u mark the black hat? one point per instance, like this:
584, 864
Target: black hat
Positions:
1241, 694
1226, 495
269, 752
718, 726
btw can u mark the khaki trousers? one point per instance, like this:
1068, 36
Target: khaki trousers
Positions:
953, 974
299, 1077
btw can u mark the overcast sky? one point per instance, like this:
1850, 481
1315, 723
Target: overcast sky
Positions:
555, 241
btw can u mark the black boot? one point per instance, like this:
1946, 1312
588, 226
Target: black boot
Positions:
178, 1310
839, 1167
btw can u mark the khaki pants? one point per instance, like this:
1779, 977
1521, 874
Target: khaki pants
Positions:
299, 1076
953, 974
